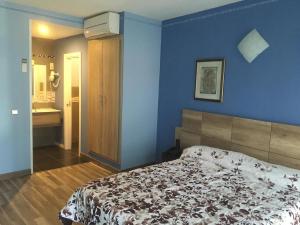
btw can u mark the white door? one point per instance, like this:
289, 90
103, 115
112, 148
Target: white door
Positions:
69, 61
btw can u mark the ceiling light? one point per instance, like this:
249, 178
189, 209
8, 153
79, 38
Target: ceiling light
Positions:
43, 29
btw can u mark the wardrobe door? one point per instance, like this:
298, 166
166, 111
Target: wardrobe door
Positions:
95, 95
111, 94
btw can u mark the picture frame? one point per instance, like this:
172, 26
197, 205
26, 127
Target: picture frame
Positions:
209, 84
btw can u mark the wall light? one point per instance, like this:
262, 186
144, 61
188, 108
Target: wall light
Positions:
252, 46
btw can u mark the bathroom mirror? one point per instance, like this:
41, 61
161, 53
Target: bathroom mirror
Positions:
39, 86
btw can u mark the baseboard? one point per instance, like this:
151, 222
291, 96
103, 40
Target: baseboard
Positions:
16, 174
105, 166
60, 145
139, 167
108, 167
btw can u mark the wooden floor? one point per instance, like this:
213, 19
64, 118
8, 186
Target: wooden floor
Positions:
52, 157
37, 199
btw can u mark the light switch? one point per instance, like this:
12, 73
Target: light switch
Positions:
51, 66
24, 65
14, 112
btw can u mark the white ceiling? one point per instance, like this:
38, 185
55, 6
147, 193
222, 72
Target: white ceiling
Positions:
41, 29
156, 9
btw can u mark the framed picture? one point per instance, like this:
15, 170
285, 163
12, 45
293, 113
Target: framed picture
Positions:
210, 80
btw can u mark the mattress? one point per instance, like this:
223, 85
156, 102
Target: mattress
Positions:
205, 186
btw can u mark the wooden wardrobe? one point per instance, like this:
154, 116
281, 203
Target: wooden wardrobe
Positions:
104, 97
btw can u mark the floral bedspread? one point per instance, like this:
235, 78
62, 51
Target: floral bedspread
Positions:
205, 186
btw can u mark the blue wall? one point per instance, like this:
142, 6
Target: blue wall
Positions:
14, 92
141, 67
14, 86
268, 89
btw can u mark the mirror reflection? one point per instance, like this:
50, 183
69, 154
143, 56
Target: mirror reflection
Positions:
39, 73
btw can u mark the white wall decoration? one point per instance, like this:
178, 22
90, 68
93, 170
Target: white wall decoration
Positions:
252, 46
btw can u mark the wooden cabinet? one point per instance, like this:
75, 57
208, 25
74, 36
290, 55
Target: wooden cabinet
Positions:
46, 119
104, 97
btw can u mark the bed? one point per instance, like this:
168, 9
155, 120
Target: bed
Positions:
207, 185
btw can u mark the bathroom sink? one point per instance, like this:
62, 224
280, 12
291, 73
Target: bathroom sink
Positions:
45, 110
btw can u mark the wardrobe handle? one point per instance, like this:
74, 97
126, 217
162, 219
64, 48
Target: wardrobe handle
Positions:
101, 99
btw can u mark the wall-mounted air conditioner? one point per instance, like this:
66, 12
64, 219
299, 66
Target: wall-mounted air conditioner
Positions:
106, 24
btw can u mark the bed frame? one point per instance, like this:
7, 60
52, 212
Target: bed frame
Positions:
272, 142
66, 221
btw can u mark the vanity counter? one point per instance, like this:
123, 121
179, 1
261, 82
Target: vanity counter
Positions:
45, 110
46, 117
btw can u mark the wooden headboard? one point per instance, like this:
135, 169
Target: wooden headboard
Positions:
271, 142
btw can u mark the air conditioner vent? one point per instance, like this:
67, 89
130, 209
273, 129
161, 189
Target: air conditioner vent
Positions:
107, 24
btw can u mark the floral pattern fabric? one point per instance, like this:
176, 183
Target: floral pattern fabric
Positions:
205, 186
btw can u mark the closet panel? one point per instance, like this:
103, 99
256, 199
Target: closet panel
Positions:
95, 94
111, 97
104, 97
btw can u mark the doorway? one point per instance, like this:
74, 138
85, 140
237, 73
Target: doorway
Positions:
72, 104
55, 86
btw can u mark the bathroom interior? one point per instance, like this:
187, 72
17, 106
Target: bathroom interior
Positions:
57, 53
